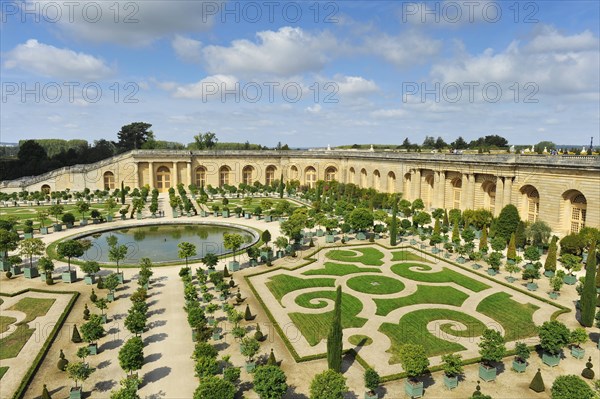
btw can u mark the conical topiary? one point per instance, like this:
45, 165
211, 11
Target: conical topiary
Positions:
587, 371
272, 361
86, 312
100, 283
226, 272
75, 337
62, 362
511, 252
537, 384
93, 296
45, 393
247, 313
258, 335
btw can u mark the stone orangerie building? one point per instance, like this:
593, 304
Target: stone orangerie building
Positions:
563, 191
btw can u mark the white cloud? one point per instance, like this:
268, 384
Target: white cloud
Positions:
315, 109
49, 61
551, 67
405, 49
187, 49
209, 88
355, 85
133, 23
389, 113
285, 52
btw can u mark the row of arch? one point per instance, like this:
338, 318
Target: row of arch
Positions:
573, 207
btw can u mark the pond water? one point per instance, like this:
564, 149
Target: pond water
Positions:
159, 242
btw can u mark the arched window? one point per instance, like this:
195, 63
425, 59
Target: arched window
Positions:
352, 176
109, 180
363, 178
270, 175
576, 208
406, 194
310, 177
376, 180
427, 192
224, 172
330, 173
46, 188
293, 173
163, 178
391, 182
456, 192
247, 174
200, 176
531, 203
489, 198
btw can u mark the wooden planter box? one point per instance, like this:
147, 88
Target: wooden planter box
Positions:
532, 286
109, 218
510, 279
31, 272
491, 272
476, 266
487, 373
519, 367
89, 279
450, 382
550, 359
83, 222
577, 352
69, 276
320, 233
93, 349
329, 239
225, 214
75, 393
549, 273
362, 236
120, 277
266, 254
138, 216
369, 395
253, 262
461, 260
15, 270
216, 335
110, 297
553, 295
43, 230
234, 266
280, 254
268, 218
27, 235
413, 389
570, 279
96, 221
250, 367
104, 318
69, 225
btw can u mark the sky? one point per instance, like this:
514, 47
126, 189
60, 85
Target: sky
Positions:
304, 73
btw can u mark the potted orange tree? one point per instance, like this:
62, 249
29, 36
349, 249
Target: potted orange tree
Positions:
491, 349
414, 362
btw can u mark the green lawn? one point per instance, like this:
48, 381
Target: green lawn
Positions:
368, 256
376, 285
282, 284
11, 346
444, 276
32, 307
6, 321
360, 340
424, 294
339, 269
412, 329
406, 256
3, 371
315, 327
516, 318
23, 213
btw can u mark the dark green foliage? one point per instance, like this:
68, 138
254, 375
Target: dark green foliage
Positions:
258, 335
413, 359
587, 372
62, 361
45, 393
550, 263
372, 379
537, 384
554, 336
512, 249
394, 224
231, 374
328, 385
100, 283
226, 272
520, 237
588, 298
572, 244
334, 339
271, 361
491, 347
570, 387
247, 313
75, 336
93, 296
507, 222
455, 234
131, 355
206, 367
214, 388
483, 241
270, 382
445, 221
266, 237
86, 312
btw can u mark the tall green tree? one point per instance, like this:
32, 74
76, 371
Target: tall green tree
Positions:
281, 187
131, 355
483, 241
70, 249
588, 296
328, 385
334, 339
186, 251
507, 222
394, 224
511, 253
134, 135
550, 263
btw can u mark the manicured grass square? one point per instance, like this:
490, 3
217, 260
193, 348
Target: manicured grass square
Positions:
516, 318
282, 284
368, 256
339, 269
33, 307
407, 270
11, 345
424, 294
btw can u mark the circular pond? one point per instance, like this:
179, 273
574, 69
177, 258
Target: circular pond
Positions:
160, 242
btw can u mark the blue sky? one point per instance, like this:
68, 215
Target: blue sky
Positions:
303, 73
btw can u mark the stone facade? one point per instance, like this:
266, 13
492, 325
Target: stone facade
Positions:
564, 191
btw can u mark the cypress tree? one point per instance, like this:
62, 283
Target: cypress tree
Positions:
122, 192
281, 186
520, 238
588, 296
445, 221
394, 224
483, 241
75, 337
455, 233
550, 263
512, 249
537, 384
334, 339
436, 227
